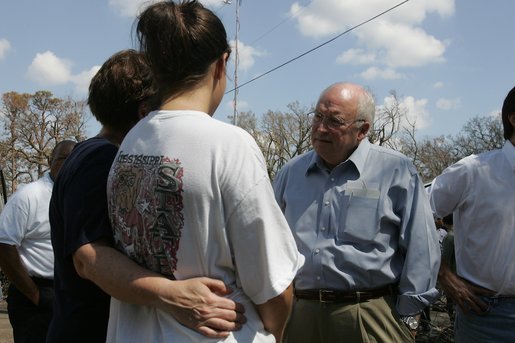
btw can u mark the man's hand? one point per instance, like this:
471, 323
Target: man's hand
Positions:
465, 294
199, 305
13, 268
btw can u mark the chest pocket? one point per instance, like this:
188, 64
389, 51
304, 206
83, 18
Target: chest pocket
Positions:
358, 217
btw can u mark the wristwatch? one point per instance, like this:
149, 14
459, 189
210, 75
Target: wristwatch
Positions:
410, 321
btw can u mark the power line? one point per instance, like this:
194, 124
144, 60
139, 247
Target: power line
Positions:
290, 17
317, 47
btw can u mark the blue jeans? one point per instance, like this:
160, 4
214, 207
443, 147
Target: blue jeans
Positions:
497, 324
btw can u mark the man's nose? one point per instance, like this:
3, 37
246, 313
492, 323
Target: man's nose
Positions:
321, 127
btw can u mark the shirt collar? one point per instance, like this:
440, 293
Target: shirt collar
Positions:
47, 178
315, 163
509, 151
358, 157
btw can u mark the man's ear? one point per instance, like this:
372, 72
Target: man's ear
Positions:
363, 130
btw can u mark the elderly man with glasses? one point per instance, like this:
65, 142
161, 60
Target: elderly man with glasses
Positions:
361, 217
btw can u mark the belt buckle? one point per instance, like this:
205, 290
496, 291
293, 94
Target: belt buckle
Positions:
321, 293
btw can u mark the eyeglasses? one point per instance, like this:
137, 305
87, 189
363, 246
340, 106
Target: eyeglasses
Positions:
332, 122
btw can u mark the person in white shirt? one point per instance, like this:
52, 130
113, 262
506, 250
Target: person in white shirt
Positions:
190, 196
26, 255
480, 191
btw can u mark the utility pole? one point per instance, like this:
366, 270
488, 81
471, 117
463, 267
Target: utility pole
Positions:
236, 60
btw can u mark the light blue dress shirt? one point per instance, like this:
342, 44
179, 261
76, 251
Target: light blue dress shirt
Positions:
364, 224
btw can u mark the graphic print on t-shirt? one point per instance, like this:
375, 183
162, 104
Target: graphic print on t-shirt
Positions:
146, 209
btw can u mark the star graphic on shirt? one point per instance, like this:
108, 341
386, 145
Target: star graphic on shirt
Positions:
143, 206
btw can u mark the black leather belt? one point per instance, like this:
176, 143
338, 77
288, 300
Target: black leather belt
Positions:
43, 282
331, 295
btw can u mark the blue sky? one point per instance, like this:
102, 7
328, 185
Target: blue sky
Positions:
448, 60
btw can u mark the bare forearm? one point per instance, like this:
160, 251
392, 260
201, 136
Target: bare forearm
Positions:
11, 265
275, 312
464, 293
118, 275
198, 303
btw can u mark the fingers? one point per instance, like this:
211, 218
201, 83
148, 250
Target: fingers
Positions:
208, 312
472, 303
239, 309
219, 289
222, 325
216, 286
220, 316
482, 291
226, 304
218, 328
477, 305
208, 332
205, 329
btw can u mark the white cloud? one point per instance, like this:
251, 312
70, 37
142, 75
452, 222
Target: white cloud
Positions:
373, 73
48, 69
356, 56
246, 54
83, 79
403, 45
396, 36
417, 112
131, 8
213, 3
5, 47
414, 109
448, 104
438, 84
326, 17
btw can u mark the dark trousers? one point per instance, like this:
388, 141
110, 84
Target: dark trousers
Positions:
30, 322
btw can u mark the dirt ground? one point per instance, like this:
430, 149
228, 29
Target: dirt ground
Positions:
6, 332
439, 329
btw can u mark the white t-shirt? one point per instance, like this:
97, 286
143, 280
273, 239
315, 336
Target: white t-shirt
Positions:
480, 191
190, 196
24, 224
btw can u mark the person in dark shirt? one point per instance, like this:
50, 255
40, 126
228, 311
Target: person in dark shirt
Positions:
88, 269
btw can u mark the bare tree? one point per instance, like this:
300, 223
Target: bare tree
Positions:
478, 135
433, 156
387, 123
280, 136
32, 125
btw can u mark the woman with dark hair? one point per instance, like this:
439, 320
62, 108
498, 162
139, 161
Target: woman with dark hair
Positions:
190, 196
